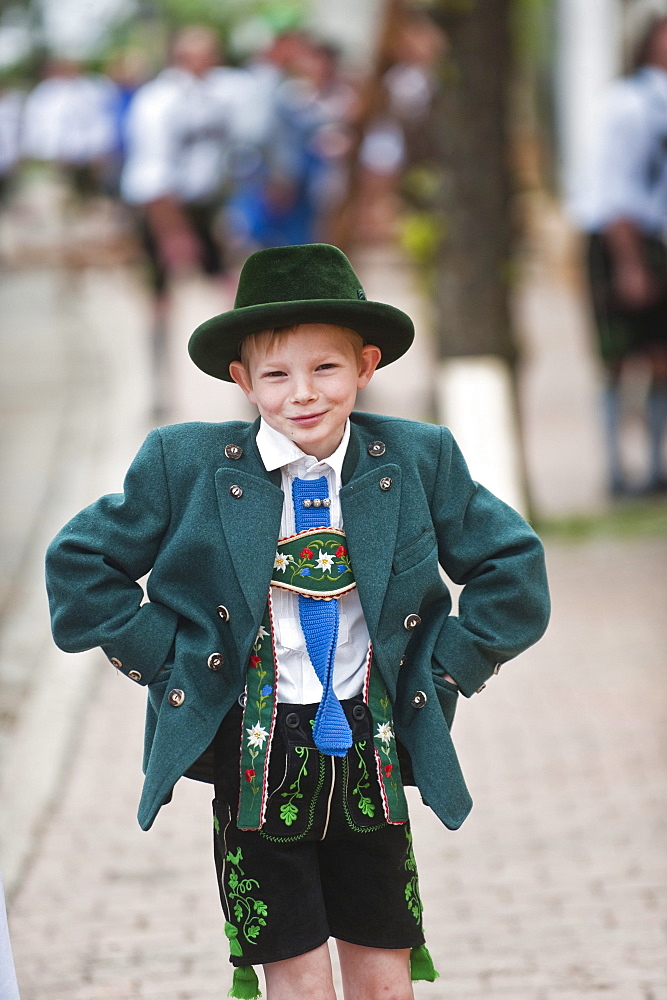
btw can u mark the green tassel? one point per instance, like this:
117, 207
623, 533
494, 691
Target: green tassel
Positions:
421, 965
245, 984
233, 934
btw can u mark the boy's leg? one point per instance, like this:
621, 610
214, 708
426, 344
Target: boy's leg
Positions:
375, 973
306, 975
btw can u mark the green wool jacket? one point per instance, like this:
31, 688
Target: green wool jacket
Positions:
210, 549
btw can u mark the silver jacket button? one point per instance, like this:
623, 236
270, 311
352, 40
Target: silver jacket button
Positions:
412, 621
115, 662
134, 675
236, 491
497, 667
419, 699
176, 697
233, 451
222, 612
385, 483
215, 661
480, 689
376, 448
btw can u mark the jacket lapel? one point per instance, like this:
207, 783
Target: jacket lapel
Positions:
251, 538
370, 519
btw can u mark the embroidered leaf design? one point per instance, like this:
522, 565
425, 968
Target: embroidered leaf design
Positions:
216, 824
288, 813
238, 911
366, 806
261, 908
252, 932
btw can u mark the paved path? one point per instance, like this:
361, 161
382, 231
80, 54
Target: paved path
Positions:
554, 887
552, 890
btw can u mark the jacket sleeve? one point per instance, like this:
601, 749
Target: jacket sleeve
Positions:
93, 564
486, 547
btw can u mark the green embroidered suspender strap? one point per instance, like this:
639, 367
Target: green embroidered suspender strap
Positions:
316, 563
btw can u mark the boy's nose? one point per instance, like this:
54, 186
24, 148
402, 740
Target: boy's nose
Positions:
304, 390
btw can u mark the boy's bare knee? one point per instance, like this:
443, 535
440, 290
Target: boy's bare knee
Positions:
304, 976
375, 973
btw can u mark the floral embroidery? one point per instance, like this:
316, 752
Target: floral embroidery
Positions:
262, 634
324, 560
412, 896
255, 661
249, 774
282, 561
365, 805
250, 912
289, 810
384, 732
386, 755
256, 736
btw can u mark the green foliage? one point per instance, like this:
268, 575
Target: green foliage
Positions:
533, 39
630, 520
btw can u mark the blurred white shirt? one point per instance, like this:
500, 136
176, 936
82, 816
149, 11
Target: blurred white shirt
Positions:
11, 106
297, 681
70, 120
182, 132
627, 175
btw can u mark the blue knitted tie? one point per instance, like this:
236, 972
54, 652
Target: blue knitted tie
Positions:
319, 621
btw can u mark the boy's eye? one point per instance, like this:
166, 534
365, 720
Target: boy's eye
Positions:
275, 374
328, 364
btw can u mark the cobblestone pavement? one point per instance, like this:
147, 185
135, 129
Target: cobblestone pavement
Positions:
552, 890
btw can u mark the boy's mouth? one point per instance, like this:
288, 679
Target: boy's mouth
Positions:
306, 419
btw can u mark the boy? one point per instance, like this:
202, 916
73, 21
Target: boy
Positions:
296, 610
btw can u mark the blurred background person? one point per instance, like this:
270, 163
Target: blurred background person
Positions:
11, 103
624, 211
183, 130
306, 148
68, 121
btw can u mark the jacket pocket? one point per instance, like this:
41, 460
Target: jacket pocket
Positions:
448, 696
412, 553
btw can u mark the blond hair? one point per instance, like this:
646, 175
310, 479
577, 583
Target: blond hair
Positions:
276, 334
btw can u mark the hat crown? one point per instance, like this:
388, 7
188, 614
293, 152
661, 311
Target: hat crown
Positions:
297, 273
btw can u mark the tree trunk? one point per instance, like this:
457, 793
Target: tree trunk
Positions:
473, 265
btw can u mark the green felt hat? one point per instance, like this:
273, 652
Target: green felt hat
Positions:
282, 286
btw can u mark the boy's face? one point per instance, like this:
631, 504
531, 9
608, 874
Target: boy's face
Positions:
305, 384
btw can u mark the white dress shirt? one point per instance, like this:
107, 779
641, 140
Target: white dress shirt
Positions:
297, 681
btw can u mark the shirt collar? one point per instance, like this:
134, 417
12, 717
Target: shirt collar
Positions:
277, 451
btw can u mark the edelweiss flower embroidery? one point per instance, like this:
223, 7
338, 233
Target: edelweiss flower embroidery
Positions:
281, 562
262, 634
324, 560
256, 736
384, 732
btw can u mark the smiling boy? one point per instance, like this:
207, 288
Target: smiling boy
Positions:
298, 642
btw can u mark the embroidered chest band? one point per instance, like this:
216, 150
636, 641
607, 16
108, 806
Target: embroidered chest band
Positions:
314, 562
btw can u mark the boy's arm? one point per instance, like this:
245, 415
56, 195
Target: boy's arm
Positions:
488, 548
92, 566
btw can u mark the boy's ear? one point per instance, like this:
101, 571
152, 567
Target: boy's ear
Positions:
240, 375
370, 359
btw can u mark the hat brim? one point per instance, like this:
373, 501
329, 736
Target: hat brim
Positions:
216, 343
